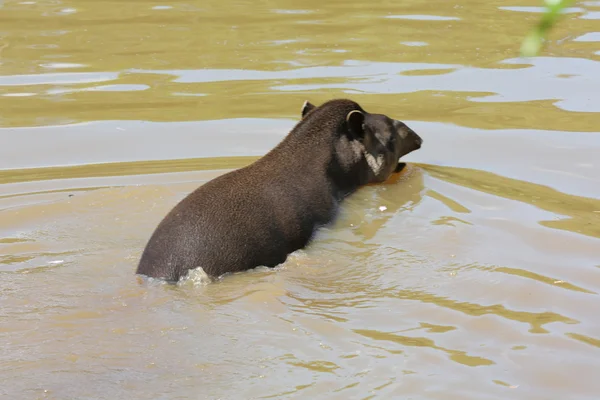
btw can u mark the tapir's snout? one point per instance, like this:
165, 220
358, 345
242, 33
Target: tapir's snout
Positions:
417, 140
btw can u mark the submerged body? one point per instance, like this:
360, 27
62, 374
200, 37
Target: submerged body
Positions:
257, 215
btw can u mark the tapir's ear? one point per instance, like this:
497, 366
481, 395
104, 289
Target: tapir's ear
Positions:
306, 108
355, 120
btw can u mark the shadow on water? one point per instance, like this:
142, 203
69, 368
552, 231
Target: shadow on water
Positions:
582, 213
460, 357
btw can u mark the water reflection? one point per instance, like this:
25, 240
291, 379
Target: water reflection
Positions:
263, 60
582, 214
458, 356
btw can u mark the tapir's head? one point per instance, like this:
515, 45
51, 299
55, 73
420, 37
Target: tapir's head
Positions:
372, 142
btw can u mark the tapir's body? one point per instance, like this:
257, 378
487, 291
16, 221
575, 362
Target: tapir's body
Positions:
257, 215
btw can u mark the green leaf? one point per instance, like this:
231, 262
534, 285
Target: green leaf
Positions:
534, 41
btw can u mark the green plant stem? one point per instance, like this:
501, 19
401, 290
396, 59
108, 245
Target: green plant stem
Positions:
534, 41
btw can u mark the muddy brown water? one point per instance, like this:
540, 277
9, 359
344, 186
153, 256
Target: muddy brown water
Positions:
474, 276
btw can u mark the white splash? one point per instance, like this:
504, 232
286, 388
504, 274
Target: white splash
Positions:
196, 277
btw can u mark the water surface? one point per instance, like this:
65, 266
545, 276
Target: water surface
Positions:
476, 275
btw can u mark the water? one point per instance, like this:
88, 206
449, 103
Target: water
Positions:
476, 275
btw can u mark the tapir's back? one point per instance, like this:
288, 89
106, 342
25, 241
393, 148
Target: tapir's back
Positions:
246, 218
257, 215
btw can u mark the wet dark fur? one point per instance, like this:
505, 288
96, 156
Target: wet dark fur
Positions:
257, 215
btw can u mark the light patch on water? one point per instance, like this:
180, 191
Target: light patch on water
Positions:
588, 37
348, 69
43, 46
119, 88
189, 94
162, 7
19, 94
104, 88
62, 65
61, 78
424, 17
67, 11
539, 10
591, 15
541, 77
54, 33
195, 277
292, 11
415, 44
285, 41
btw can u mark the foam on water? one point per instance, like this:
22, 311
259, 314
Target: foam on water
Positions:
195, 277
